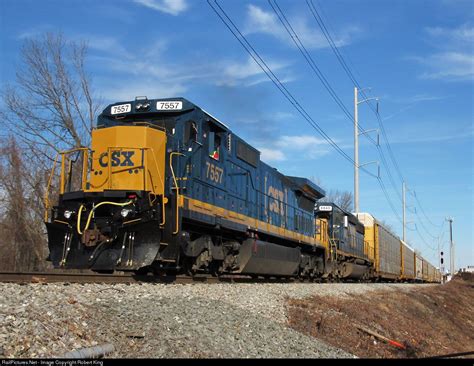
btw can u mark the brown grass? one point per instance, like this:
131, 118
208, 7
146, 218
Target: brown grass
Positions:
428, 321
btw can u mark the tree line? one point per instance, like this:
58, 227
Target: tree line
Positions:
49, 108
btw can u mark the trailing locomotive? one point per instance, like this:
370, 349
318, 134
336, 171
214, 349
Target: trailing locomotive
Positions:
166, 187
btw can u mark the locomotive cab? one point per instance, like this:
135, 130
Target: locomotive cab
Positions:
347, 249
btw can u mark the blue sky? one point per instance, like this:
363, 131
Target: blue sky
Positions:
417, 56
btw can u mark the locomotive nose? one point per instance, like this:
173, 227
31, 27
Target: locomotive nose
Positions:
113, 219
128, 158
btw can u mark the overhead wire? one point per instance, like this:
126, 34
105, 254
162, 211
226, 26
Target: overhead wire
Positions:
423, 212
309, 59
287, 94
270, 74
351, 76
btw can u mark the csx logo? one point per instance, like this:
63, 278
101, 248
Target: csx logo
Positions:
276, 204
118, 158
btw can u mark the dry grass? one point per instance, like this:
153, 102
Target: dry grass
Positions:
428, 321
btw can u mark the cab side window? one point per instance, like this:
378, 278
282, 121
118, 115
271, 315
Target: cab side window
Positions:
190, 132
214, 145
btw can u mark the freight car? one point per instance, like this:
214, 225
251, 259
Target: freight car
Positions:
408, 262
394, 259
388, 256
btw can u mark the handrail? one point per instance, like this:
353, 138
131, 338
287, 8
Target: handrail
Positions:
46, 194
163, 212
85, 171
177, 189
64, 155
62, 180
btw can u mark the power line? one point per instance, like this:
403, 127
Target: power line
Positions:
326, 33
424, 227
424, 214
423, 240
384, 190
351, 76
331, 42
294, 36
309, 59
267, 70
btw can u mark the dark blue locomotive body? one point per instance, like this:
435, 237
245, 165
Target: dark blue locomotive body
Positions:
224, 198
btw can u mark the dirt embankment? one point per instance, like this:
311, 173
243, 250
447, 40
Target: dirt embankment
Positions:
426, 321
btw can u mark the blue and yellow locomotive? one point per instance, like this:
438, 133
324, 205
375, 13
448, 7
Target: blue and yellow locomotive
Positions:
166, 186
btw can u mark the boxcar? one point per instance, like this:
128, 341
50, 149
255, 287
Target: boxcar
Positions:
408, 261
387, 247
418, 267
425, 270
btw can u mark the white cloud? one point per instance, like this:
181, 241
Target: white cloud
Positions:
104, 44
419, 138
261, 21
248, 73
128, 91
463, 33
307, 146
300, 142
173, 7
269, 155
455, 59
453, 66
411, 102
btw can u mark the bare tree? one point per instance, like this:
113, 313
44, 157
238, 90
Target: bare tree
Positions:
49, 109
21, 222
51, 106
341, 198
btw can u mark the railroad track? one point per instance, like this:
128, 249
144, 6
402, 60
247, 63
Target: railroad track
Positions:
127, 278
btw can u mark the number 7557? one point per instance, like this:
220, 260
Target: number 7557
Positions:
214, 173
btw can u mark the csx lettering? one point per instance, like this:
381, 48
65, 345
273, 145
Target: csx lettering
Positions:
276, 204
118, 158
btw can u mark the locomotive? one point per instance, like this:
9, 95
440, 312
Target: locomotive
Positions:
165, 187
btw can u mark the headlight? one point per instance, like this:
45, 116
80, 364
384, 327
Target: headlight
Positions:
125, 212
138, 106
67, 214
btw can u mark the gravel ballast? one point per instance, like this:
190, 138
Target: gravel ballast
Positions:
156, 320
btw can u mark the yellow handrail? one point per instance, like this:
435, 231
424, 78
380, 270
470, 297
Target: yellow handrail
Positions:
62, 178
62, 181
46, 194
85, 171
177, 190
163, 212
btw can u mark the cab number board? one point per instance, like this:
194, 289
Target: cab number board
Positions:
122, 108
169, 106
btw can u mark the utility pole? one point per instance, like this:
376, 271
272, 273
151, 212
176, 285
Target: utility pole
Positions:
451, 251
356, 146
404, 216
356, 153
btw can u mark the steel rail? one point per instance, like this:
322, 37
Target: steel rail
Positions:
128, 278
